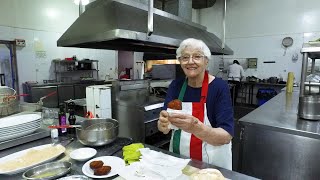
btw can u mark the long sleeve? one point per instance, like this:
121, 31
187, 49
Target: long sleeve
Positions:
241, 72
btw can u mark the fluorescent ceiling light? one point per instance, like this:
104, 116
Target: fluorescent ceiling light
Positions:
83, 2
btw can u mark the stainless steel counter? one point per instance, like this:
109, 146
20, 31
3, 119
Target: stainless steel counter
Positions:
280, 114
107, 150
276, 144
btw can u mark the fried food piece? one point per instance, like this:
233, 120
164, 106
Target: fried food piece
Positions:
102, 170
175, 104
96, 164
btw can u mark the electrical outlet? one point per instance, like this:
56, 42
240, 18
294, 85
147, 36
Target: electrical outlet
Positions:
20, 42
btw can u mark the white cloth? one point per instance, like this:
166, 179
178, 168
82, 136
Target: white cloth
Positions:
217, 155
236, 72
156, 166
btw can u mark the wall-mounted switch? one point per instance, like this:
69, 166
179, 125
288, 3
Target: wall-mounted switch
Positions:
20, 42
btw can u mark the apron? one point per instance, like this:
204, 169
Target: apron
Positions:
188, 144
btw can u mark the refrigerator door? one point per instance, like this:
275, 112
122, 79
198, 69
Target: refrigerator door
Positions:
102, 100
90, 100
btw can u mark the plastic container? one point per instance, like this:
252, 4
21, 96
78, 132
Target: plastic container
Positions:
265, 95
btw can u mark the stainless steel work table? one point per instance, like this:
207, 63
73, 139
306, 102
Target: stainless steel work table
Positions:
111, 149
277, 144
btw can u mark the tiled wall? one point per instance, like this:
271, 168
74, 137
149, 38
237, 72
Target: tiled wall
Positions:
40, 23
255, 29
33, 66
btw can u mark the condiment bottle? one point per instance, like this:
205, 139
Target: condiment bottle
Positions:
54, 136
72, 116
62, 120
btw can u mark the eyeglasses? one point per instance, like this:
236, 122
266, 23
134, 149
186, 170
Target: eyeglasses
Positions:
195, 58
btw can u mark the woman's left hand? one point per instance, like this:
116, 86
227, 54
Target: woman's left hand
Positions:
185, 122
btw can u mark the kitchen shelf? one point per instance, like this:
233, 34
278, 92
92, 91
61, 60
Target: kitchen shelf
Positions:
64, 69
72, 61
313, 50
88, 70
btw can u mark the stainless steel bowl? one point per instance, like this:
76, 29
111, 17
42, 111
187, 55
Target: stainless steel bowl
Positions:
97, 136
51, 170
309, 107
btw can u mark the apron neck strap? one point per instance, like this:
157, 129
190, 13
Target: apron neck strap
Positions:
204, 89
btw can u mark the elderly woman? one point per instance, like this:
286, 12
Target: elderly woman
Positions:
205, 129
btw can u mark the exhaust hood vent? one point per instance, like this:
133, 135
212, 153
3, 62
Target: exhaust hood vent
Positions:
122, 25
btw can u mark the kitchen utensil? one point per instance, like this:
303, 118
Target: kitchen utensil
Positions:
48, 95
83, 154
75, 177
116, 164
21, 155
48, 171
100, 126
35, 106
309, 107
7, 105
97, 137
63, 126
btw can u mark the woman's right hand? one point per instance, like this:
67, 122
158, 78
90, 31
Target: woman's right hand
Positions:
163, 122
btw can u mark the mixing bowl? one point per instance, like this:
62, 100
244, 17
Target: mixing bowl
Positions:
91, 134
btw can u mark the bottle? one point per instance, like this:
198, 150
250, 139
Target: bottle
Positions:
72, 116
72, 121
54, 136
62, 120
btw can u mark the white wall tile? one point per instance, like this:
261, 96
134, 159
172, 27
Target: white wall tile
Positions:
6, 33
255, 29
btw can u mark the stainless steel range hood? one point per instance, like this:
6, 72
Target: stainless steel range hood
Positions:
122, 25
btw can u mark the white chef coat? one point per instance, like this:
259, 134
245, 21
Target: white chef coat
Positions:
235, 72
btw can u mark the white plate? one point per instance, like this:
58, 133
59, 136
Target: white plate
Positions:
15, 120
115, 163
21, 153
18, 126
17, 130
18, 134
83, 154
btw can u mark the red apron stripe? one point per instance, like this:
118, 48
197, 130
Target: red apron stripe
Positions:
198, 112
196, 143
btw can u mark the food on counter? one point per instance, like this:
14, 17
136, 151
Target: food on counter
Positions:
175, 104
96, 164
102, 170
32, 157
207, 174
131, 152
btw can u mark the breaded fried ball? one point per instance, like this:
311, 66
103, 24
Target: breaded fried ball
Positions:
175, 104
96, 164
102, 170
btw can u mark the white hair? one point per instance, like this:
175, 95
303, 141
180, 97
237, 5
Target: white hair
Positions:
196, 44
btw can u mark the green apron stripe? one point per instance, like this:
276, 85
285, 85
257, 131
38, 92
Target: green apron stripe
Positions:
176, 141
183, 90
177, 133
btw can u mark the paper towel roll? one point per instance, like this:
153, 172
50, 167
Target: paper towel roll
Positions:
290, 79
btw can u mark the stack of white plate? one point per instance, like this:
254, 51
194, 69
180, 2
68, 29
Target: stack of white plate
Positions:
17, 126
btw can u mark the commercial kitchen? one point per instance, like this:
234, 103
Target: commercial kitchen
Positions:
85, 80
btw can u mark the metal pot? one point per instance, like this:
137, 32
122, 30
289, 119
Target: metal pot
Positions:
309, 107
97, 136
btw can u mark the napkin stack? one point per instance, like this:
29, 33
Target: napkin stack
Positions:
155, 165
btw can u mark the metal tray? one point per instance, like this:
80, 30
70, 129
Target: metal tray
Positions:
48, 171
